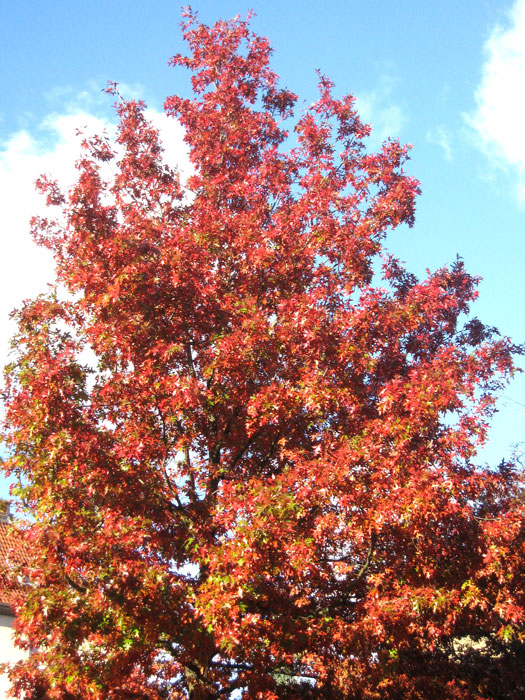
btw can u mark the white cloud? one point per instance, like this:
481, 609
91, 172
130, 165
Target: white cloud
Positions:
51, 148
377, 109
499, 118
172, 136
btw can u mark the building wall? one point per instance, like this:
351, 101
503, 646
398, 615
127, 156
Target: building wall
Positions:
8, 652
12, 552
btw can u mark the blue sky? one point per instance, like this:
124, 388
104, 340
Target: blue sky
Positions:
446, 76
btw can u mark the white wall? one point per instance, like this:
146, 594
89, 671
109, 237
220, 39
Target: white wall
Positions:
8, 652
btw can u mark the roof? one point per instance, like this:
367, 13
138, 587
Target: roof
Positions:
13, 550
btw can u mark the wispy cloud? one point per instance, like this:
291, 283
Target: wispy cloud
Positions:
50, 147
378, 109
499, 119
441, 137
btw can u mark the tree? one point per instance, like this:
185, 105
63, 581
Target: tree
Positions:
266, 483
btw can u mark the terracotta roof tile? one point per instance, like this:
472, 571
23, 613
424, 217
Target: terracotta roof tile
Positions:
13, 550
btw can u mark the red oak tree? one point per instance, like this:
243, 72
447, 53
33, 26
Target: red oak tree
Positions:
265, 486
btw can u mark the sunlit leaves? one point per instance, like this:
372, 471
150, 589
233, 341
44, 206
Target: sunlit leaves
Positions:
247, 456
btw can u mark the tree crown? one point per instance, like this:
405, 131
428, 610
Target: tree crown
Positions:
265, 484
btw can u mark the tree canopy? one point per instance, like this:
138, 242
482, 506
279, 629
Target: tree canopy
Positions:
265, 484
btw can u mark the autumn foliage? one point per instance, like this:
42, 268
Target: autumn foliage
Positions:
246, 435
